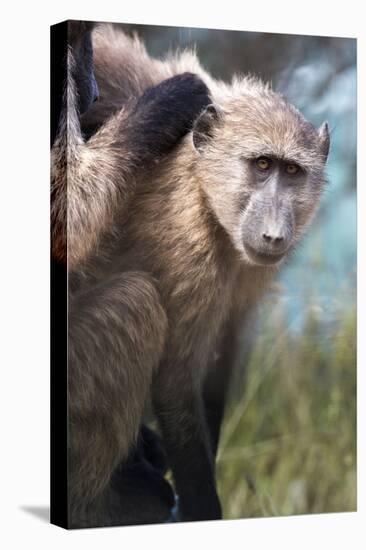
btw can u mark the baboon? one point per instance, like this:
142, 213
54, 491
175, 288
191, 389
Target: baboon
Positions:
116, 324
211, 225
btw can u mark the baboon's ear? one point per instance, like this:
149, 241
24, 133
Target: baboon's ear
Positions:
204, 125
324, 139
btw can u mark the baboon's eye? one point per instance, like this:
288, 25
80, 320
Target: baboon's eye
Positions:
292, 169
263, 163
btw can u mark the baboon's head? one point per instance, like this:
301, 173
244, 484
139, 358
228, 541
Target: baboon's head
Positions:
261, 167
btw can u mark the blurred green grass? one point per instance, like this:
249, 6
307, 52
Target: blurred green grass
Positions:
288, 443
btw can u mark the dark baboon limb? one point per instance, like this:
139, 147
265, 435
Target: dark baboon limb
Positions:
217, 381
183, 424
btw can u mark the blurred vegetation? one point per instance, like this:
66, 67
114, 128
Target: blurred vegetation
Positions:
288, 443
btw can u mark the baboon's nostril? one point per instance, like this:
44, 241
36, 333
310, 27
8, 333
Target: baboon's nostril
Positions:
272, 240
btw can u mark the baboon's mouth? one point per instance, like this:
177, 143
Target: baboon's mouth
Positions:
262, 258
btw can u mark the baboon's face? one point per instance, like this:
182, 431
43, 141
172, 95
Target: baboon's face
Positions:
261, 167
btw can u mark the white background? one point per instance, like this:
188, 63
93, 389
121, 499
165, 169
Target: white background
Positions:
24, 273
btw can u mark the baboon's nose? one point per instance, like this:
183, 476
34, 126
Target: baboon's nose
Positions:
272, 239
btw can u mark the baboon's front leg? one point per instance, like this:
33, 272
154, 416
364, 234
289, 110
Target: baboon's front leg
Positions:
217, 382
179, 406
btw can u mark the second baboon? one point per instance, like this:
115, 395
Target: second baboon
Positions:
212, 224
116, 324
